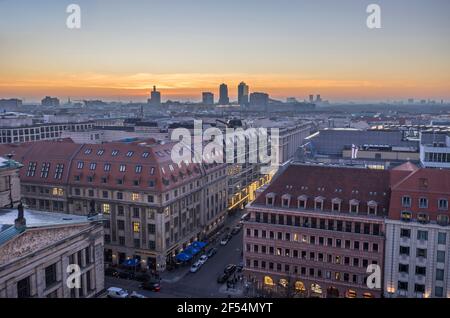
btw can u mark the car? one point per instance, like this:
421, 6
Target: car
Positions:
151, 285
211, 252
230, 269
125, 274
142, 277
195, 267
224, 240
236, 230
111, 272
136, 295
223, 278
203, 259
116, 292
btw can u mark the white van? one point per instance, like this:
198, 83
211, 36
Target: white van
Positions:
116, 292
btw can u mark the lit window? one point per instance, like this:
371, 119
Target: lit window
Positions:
135, 197
136, 227
106, 208
58, 192
283, 282
268, 281
300, 286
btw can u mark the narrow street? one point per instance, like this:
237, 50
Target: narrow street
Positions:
202, 284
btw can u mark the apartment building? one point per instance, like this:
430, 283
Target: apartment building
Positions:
314, 231
41, 131
417, 258
37, 247
153, 207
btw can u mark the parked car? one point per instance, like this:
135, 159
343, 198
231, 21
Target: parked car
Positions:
236, 230
142, 277
136, 295
211, 252
196, 267
111, 272
151, 285
230, 269
224, 240
203, 259
125, 274
223, 278
116, 292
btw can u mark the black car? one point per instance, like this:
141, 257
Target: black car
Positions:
223, 278
111, 272
151, 285
230, 269
125, 274
211, 252
142, 277
236, 230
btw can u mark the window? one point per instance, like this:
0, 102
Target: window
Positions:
406, 216
150, 199
406, 202
422, 235
136, 227
136, 212
130, 154
403, 286
120, 225
80, 165
24, 288
439, 292
31, 169
419, 288
50, 275
405, 233
403, 268
107, 167
145, 155
440, 256
45, 169
440, 275
88, 151
442, 238
106, 208
404, 250
114, 153
151, 229
122, 168
421, 270
443, 220
443, 204
135, 197
138, 169
93, 166
423, 218
420, 252
100, 152
423, 203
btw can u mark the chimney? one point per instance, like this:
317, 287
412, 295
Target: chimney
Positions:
20, 222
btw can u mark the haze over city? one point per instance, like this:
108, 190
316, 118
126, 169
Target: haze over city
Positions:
286, 48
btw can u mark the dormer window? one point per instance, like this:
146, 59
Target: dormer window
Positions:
372, 208
443, 204
354, 206
302, 202
406, 202
114, 153
406, 216
270, 199
336, 205
318, 203
286, 200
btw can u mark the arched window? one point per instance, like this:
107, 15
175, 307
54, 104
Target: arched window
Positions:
268, 281
300, 286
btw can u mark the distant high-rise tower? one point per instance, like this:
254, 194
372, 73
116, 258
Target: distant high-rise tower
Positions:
155, 97
311, 98
318, 99
223, 95
208, 98
243, 94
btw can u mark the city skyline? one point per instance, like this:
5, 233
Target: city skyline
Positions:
186, 48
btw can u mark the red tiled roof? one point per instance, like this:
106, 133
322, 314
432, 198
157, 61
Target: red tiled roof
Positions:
346, 184
149, 156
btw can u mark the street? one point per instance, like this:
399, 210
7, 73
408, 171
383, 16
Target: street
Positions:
181, 283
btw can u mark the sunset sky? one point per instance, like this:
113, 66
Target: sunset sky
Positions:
284, 47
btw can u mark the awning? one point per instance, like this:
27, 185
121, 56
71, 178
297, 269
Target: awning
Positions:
183, 257
131, 262
199, 245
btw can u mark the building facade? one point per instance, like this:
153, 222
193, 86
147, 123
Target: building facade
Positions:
315, 230
153, 207
417, 258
